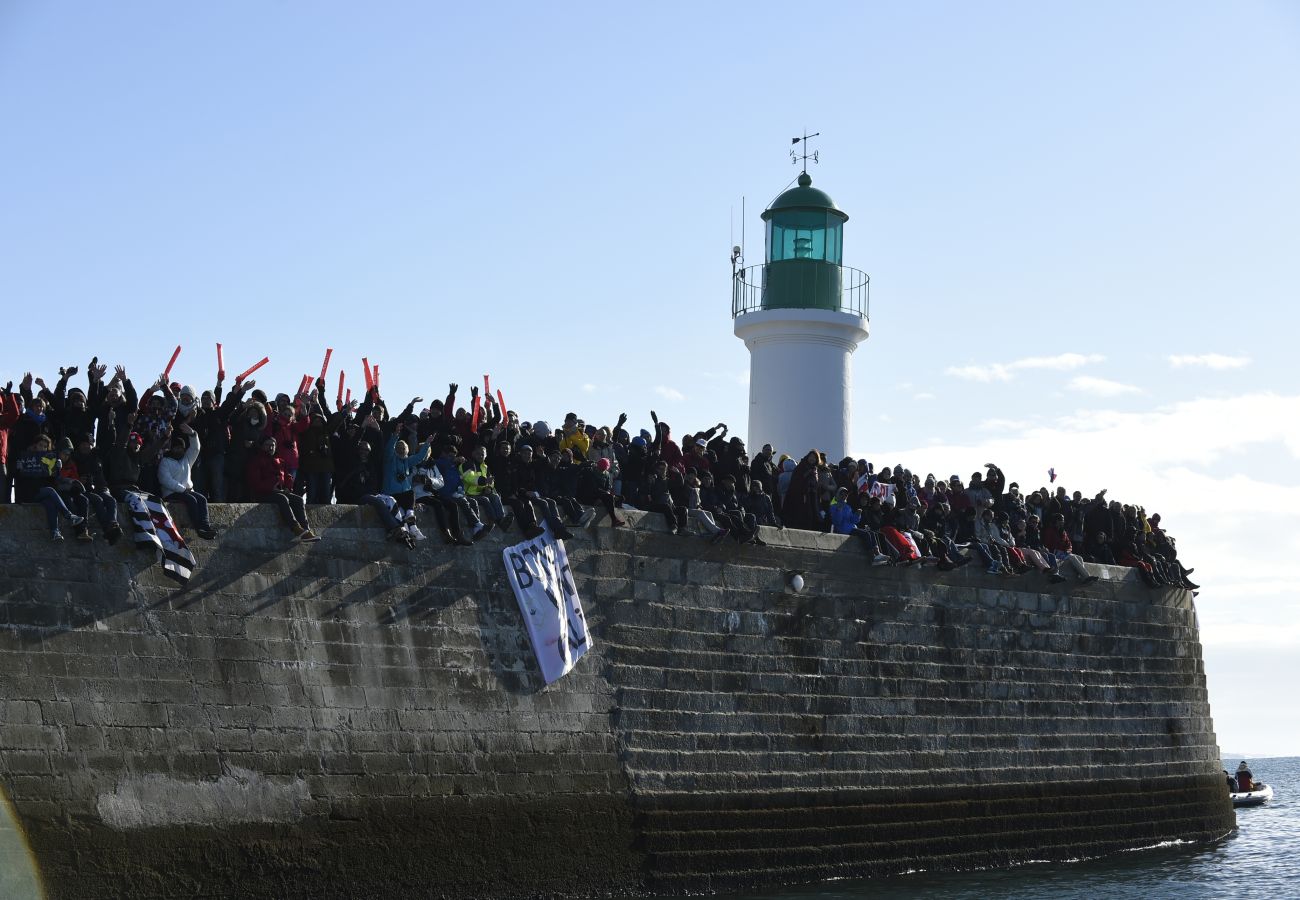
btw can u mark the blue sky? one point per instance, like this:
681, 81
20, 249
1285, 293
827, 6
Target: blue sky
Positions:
1051, 201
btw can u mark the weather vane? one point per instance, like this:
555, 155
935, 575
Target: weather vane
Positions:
805, 156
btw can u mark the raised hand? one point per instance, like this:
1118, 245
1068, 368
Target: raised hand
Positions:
40, 382
119, 373
68, 372
26, 383
473, 392
452, 388
416, 400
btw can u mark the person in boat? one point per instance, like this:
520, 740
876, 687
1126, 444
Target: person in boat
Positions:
1245, 779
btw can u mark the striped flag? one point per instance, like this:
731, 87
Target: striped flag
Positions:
152, 524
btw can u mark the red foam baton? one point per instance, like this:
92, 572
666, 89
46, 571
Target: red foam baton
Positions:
221, 365
501, 400
487, 388
374, 373
370, 378
324, 367
302, 385
257, 365
340, 397
348, 398
478, 410
167, 372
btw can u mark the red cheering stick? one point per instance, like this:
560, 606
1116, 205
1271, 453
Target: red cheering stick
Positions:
501, 400
324, 367
340, 397
375, 375
487, 388
474, 417
302, 385
370, 378
167, 372
221, 366
348, 398
253, 368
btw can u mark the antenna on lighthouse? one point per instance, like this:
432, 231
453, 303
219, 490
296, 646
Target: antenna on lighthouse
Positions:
805, 156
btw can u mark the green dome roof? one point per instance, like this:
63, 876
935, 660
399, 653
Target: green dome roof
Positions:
805, 196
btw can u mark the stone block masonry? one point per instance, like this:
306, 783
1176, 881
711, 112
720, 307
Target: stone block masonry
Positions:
352, 719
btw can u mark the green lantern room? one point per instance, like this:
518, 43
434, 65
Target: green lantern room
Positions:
804, 250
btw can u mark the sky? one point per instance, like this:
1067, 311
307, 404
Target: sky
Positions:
1080, 223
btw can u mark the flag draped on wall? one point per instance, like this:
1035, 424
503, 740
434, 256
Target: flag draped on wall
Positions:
152, 524
548, 598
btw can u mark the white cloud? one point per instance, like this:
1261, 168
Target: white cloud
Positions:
1100, 387
991, 372
669, 393
1208, 361
589, 388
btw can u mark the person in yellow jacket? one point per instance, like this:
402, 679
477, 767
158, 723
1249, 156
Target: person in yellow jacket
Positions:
481, 491
573, 437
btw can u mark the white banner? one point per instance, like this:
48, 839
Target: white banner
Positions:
548, 598
881, 489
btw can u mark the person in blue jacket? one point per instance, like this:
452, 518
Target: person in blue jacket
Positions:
847, 520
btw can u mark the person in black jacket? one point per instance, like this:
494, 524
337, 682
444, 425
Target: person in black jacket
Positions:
37, 470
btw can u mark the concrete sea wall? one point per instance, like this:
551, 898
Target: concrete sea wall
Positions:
352, 719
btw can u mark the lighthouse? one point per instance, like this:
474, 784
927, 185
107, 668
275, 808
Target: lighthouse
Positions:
801, 313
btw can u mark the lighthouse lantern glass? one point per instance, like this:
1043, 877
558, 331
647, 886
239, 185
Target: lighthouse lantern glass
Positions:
805, 234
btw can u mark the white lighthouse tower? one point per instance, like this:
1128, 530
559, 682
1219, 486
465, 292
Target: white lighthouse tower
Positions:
801, 314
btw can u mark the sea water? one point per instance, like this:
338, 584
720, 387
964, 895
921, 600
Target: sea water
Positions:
1260, 860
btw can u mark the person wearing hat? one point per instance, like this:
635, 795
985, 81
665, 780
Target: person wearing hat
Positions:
176, 478
574, 438
1245, 778
37, 472
528, 478
634, 471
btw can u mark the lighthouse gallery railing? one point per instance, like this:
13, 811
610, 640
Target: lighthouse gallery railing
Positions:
817, 280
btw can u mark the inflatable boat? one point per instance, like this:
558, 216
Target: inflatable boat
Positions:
1260, 795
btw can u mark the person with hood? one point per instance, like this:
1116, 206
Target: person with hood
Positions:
269, 482
800, 508
783, 479
176, 478
286, 422
847, 520
247, 427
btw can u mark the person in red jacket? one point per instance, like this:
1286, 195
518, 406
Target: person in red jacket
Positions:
286, 425
268, 482
10, 410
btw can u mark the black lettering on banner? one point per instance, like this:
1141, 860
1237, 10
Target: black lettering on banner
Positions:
523, 578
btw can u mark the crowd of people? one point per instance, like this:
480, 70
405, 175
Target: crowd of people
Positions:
78, 451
